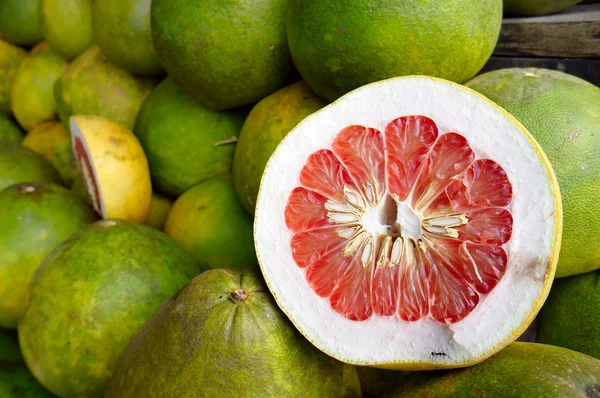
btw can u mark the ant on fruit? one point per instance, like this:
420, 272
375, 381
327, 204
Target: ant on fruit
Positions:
438, 354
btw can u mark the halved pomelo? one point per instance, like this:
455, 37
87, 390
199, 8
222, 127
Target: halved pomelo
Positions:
411, 224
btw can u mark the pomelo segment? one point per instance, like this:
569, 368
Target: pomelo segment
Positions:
411, 216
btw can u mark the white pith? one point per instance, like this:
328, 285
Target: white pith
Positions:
388, 340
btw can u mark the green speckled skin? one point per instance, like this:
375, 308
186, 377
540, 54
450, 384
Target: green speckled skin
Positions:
9, 130
32, 92
21, 21
537, 7
17, 382
9, 346
10, 59
67, 25
339, 46
570, 317
122, 31
224, 53
179, 137
90, 296
209, 222
36, 218
562, 112
19, 164
269, 121
200, 343
521, 370
94, 86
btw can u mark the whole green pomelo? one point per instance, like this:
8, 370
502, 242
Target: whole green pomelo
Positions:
223, 54
32, 92
19, 164
36, 218
122, 31
570, 316
21, 21
185, 143
340, 46
9, 346
268, 122
223, 335
17, 382
562, 112
93, 86
67, 25
537, 7
10, 59
160, 206
210, 223
521, 370
9, 130
90, 296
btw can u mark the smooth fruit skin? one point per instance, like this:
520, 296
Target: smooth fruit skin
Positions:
562, 112
93, 86
21, 21
185, 142
160, 206
521, 370
537, 7
225, 54
338, 47
570, 316
269, 121
209, 222
10, 59
36, 218
9, 130
90, 296
19, 164
17, 382
9, 346
67, 26
122, 31
209, 341
32, 91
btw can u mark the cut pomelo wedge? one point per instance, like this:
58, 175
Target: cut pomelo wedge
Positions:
412, 224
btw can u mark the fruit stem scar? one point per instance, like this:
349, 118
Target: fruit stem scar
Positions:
231, 140
238, 295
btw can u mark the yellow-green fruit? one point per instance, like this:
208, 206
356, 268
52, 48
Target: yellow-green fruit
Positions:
521, 370
67, 25
19, 164
94, 86
21, 21
223, 335
340, 46
562, 112
32, 91
210, 223
36, 218
10, 59
122, 31
9, 130
537, 7
160, 206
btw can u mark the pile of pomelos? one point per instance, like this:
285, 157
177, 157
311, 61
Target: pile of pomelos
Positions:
292, 198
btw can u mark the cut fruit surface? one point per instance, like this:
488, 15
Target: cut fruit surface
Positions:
411, 217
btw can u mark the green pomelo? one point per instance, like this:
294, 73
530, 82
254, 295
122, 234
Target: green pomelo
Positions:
90, 296
521, 370
93, 86
122, 31
185, 143
562, 112
269, 121
223, 335
209, 222
9, 346
376, 382
570, 316
36, 218
21, 21
160, 206
32, 91
10, 59
19, 165
53, 141
537, 7
67, 25
17, 382
340, 46
9, 130
225, 55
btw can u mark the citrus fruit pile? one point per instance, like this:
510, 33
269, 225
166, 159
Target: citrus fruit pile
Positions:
292, 198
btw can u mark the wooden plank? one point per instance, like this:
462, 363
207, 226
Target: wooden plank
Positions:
574, 33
